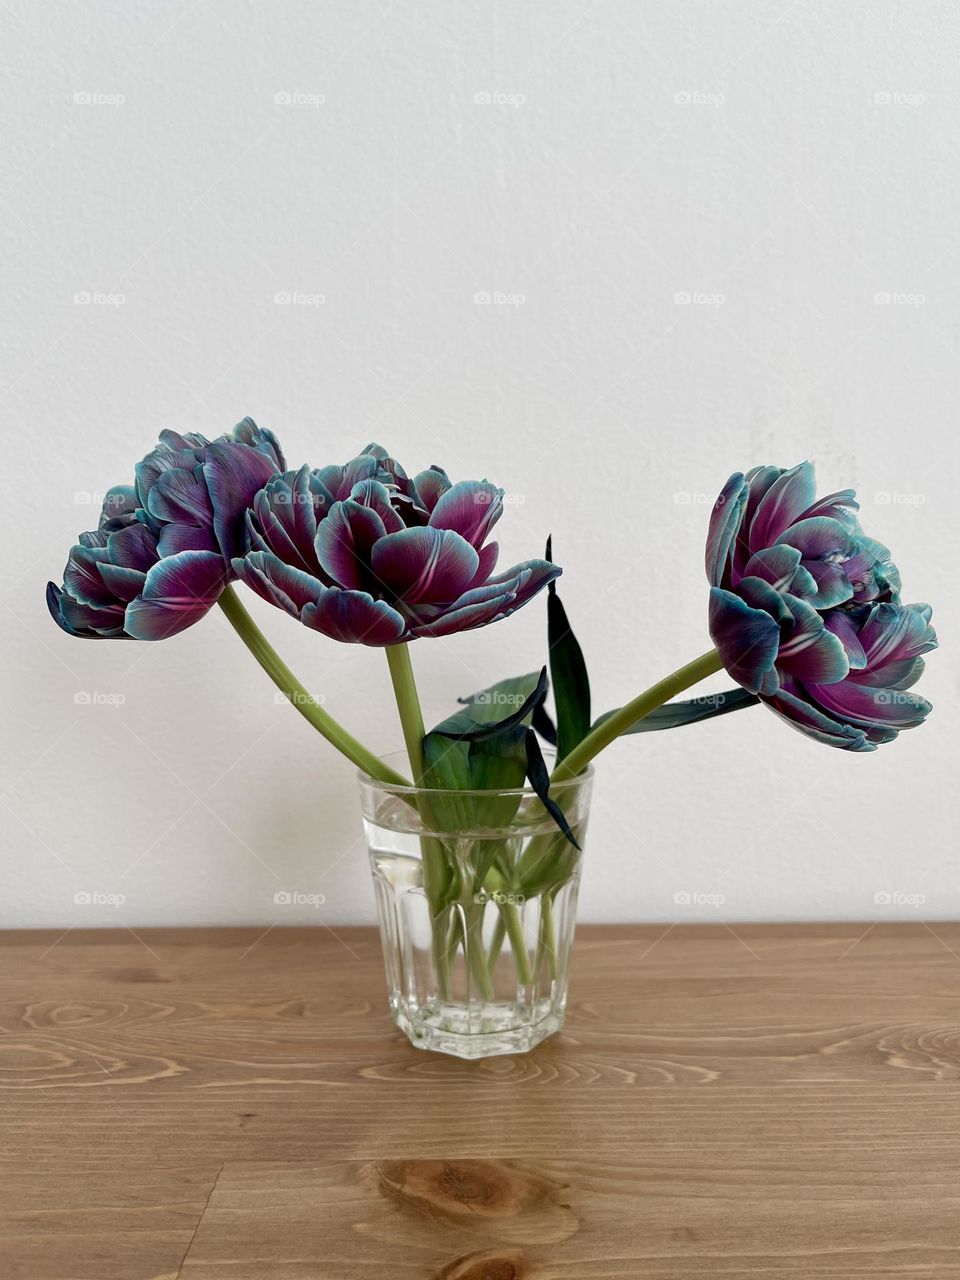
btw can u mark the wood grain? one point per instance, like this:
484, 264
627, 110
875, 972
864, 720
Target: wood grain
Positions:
772, 1101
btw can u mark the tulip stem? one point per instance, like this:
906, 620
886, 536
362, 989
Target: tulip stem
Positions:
408, 705
625, 717
299, 696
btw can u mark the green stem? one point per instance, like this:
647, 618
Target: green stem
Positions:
625, 717
408, 705
299, 696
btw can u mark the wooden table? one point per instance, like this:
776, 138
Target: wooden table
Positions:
778, 1101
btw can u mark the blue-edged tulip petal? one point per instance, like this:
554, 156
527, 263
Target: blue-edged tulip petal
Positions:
431, 485
808, 651
470, 508
234, 475
425, 566
345, 541
340, 480
376, 496
802, 715
784, 502
133, 548
81, 578
864, 706
747, 639
777, 565
724, 522
354, 616
177, 593
123, 584
279, 584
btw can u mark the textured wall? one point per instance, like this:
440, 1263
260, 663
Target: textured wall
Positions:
786, 167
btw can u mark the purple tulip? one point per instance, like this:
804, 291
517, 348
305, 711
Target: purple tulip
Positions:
366, 554
160, 556
805, 610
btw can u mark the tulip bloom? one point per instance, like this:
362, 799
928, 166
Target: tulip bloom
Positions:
160, 557
366, 554
805, 610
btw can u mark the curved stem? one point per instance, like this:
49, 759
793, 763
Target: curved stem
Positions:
603, 734
299, 696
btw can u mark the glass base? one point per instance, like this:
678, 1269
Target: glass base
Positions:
479, 1030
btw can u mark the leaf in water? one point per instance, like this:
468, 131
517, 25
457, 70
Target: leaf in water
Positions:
568, 671
539, 777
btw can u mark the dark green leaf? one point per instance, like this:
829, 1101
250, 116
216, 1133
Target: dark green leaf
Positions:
539, 776
568, 673
673, 715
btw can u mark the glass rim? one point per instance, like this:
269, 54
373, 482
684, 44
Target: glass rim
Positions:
401, 789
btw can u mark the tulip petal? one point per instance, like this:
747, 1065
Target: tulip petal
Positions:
818, 537
133, 548
832, 586
747, 639
471, 508
180, 497
376, 496
777, 565
177, 592
234, 474
867, 707
425, 566
344, 542
123, 584
725, 520
340, 480
808, 651
279, 584
355, 617
431, 485
843, 627
799, 714
81, 577
185, 537
784, 502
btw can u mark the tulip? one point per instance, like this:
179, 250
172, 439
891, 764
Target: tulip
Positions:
365, 554
805, 610
160, 557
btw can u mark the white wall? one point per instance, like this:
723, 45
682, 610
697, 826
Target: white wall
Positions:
785, 182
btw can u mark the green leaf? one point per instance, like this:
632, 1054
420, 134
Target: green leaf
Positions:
568, 672
673, 715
